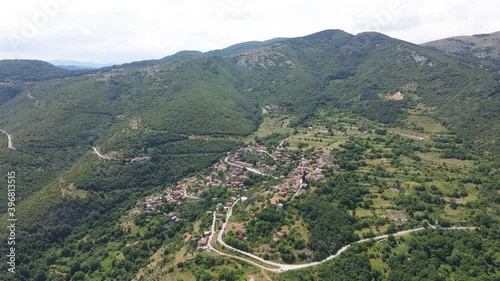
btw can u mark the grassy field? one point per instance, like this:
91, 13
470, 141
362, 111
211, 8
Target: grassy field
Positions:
435, 158
427, 123
175, 276
270, 126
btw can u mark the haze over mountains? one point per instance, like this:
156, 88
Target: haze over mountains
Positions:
74, 64
186, 111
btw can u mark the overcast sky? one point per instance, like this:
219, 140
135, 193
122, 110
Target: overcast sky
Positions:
123, 31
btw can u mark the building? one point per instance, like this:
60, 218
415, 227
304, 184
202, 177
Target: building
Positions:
187, 237
171, 217
134, 213
203, 241
140, 159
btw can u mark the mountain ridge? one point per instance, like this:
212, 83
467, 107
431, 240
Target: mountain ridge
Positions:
481, 49
75, 64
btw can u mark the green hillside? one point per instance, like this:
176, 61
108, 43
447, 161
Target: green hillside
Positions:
184, 113
17, 75
338, 69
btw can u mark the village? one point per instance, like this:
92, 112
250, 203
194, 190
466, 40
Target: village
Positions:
300, 167
254, 179
284, 172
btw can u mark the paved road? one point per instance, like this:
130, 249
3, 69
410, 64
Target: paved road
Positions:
98, 153
287, 267
188, 196
211, 248
9, 139
281, 267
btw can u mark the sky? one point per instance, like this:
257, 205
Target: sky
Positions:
123, 31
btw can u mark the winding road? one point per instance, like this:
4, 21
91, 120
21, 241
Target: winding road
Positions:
278, 267
98, 153
211, 248
9, 139
189, 196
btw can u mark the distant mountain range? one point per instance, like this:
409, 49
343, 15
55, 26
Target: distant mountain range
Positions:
234, 49
74, 64
479, 48
482, 47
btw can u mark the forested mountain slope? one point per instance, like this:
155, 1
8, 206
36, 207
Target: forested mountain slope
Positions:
338, 69
186, 112
17, 75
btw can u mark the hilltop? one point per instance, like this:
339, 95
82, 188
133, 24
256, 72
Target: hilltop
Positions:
32, 71
18, 75
479, 48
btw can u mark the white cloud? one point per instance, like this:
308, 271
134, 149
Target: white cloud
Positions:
122, 31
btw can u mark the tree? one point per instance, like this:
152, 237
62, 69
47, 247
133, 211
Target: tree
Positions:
227, 274
392, 228
78, 276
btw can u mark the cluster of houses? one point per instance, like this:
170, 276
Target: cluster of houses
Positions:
278, 154
307, 170
255, 149
319, 161
233, 173
281, 153
233, 180
150, 205
173, 196
297, 179
290, 184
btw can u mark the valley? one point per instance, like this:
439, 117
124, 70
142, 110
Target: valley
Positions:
325, 157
